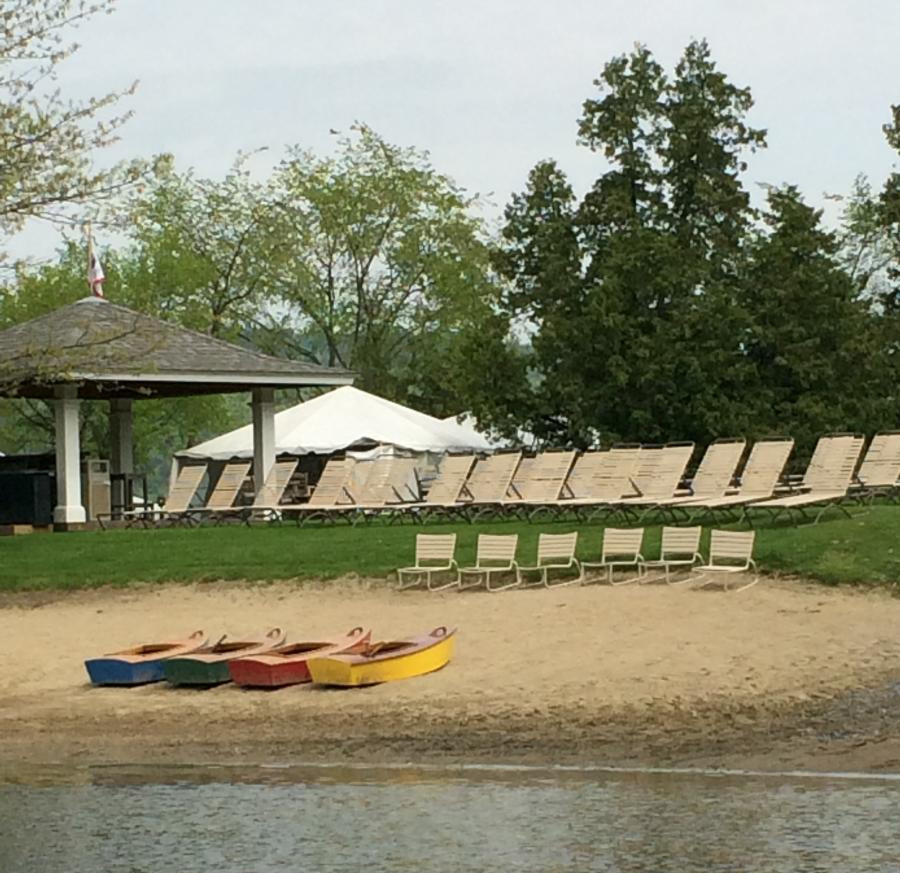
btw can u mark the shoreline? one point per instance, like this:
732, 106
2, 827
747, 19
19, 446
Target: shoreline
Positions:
792, 678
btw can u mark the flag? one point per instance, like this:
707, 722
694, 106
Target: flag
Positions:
96, 276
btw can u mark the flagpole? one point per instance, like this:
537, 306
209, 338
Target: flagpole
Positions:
90, 253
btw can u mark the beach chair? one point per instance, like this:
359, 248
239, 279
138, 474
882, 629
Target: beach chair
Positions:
221, 501
387, 490
762, 471
266, 502
495, 555
730, 552
879, 472
679, 550
826, 483
555, 552
176, 506
598, 480
621, 548
332, 494
490, 484
713, 477
435, 553
448, 491
547, 481
657, 478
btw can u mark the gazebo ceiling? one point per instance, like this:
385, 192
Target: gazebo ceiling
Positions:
110, 351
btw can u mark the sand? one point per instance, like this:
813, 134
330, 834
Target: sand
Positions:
785, 675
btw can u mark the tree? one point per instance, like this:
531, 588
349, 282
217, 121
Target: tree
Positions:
378, 261
815, 343
630, 290
47, 142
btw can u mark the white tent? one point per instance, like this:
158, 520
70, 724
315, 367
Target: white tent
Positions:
346, 418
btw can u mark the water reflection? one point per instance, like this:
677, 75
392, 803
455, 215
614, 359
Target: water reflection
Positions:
248, 819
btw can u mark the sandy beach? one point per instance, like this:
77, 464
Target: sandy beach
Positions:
786, 675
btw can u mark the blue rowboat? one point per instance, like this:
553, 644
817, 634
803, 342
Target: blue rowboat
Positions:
140, 664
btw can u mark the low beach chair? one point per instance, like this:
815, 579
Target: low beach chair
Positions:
495, 555
435, 553
555, 552
621, 548
730, 552
826, 483
679, 550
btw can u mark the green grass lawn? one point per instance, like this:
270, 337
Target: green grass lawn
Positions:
864, 549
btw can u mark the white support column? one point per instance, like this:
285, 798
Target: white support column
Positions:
121, 447
263, 435
69, 509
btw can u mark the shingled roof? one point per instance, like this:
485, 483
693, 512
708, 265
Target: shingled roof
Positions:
111, 351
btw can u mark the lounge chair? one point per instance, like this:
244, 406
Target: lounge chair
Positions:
555, 552
759, 480
621, 548
176, 505
435, 553
221, 501
266, 503
490, 484
657, 479
879, 473
387, 489
597, 481
730, 552
332, 493
448, 491
713, 477
679, 550
495, 555
544, 483
826, 482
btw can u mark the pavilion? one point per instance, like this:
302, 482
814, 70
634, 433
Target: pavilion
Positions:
96, 350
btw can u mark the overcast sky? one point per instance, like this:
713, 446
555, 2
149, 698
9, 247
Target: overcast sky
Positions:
489, 87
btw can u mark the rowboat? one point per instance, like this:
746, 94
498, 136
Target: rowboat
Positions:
209, 665
140, 664
287, 665
386, 661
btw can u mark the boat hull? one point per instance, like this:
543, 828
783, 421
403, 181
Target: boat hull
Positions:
354, 671
195, 673
113, 671
264, 674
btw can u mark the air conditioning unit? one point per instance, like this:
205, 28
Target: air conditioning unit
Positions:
95, 492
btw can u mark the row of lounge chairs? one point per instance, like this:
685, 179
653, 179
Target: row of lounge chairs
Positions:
730, 553
629, 480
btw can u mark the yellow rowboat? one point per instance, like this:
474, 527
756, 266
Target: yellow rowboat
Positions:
386, 661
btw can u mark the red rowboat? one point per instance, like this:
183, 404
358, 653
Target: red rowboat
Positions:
287, 665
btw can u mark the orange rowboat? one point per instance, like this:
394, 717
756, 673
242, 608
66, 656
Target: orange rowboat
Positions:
287, 665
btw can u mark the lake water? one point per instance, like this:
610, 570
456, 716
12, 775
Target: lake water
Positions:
240, 820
